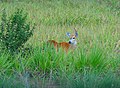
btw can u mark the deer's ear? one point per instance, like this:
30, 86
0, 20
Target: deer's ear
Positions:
68, 34
76, 34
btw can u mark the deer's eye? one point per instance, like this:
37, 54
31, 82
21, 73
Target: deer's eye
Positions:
73, 38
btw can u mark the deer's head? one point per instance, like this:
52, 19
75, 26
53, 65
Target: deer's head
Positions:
72, 37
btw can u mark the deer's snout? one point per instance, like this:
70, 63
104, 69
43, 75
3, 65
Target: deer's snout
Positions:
69, 42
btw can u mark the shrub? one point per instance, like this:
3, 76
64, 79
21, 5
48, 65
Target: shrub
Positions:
15, 31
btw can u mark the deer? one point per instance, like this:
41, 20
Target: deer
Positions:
71, 44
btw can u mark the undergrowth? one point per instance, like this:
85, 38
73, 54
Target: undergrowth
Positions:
94, 63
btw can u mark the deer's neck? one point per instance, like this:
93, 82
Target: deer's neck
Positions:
73, 45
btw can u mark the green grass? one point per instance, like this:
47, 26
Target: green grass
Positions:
94, 64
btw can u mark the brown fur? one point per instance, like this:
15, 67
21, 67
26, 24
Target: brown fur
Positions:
64, 45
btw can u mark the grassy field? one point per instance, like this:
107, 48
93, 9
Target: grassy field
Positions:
94, 64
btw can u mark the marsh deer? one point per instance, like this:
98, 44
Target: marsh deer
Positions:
71, 44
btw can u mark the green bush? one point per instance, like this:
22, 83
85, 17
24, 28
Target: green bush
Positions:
15, 31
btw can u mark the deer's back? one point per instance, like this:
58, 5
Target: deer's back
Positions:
64, 45
52, 42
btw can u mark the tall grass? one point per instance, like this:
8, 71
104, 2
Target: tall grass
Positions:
78, 68
93, 64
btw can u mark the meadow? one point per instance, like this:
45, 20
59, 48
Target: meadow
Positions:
95, 63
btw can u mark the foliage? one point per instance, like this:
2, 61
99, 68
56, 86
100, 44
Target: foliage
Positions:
15, 31
90, 63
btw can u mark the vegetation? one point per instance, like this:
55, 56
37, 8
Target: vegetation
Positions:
14, 32
94, 63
